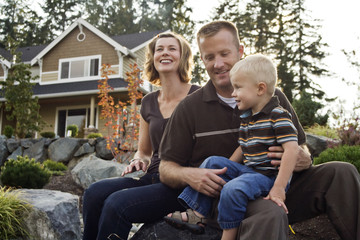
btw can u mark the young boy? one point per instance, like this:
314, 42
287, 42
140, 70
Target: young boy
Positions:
263, 124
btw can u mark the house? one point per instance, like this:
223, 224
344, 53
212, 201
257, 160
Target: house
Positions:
69, 70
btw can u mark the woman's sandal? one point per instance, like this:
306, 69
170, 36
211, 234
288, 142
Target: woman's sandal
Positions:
192, 224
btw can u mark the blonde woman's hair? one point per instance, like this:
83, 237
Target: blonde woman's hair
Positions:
259, 68
186, 59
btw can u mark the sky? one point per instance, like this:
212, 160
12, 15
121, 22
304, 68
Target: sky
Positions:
340, 30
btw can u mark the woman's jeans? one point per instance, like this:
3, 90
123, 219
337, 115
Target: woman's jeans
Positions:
243, 184
111, 206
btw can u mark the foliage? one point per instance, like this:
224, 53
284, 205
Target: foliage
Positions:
349, 132
8, 131
60, 14
55, 168
308, 111
19, 22
25, 173
325, 131
281, 29
122, 118
20, 105
94, 135
342, 153
47, 134
11, 214
74, 129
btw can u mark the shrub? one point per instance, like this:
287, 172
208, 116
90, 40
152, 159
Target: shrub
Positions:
25, 173
342, 153
94, 135
74, 130
55, 168
8, 131
48, 134
11, 215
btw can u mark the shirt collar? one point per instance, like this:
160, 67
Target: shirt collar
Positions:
273, 102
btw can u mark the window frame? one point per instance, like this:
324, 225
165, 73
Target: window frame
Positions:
86, 75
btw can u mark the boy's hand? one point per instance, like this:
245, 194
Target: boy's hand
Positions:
277, 195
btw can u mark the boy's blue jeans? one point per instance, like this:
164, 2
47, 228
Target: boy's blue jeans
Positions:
243, 184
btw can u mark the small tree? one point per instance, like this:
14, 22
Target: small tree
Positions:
122, 118
20, 104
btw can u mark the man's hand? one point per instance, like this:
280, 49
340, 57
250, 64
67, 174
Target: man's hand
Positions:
303, 161
206, 180
134, 166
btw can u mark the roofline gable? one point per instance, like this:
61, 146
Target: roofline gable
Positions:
5, 62
144, 44
77, 23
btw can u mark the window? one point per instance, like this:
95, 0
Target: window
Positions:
79, 67
79, 117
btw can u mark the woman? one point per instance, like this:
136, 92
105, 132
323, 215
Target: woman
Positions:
107, 208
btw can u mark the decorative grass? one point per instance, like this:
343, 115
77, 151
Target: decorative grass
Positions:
12, 210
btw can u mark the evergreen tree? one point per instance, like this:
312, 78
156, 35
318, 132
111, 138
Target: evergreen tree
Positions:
60, 14
280, 29
112, 17
20, 106
18, 21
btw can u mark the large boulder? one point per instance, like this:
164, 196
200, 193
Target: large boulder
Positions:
12, 144
3, 151
84, 149
317, 144
63, 149
55, 215
17, 152
37, 151
101, 150
92, 169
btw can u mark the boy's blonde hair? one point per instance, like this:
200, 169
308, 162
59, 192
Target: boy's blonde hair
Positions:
259, 68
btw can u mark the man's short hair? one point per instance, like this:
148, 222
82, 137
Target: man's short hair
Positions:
259, 68
213, 28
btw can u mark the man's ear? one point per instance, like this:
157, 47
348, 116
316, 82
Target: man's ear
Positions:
262, 88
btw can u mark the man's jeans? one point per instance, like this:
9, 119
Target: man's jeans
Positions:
243, 184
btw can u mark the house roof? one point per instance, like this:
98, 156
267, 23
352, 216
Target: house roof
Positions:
74, 88
124, 43
135, 39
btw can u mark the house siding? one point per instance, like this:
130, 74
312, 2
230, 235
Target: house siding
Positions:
70, 47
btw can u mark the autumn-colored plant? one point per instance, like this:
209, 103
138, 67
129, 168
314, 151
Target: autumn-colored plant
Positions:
122, 117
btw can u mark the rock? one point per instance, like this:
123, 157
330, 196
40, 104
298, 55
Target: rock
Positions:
84, 149
3, 151
317, 144
37, 151
55, 215
28, 142
163, 231
12, 144
101, 150
63, 149
92, 169
17, 152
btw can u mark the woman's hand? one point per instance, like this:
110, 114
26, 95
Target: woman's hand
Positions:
135, 165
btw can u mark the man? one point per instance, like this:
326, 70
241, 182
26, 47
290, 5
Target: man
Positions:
206, 123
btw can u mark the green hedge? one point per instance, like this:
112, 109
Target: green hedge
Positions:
344, 153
